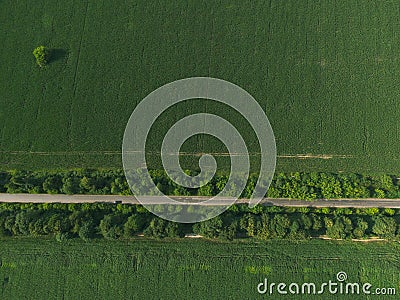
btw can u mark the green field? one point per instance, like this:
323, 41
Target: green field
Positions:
326, 73
46, 269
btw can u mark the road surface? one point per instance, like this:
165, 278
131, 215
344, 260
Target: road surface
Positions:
59, 198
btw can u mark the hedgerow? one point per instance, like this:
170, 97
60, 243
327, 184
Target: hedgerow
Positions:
296, 185
116, 221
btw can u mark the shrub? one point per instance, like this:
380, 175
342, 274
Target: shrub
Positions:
41, 54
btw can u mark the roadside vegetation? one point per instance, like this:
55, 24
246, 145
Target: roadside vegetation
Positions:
308, 186
116, 221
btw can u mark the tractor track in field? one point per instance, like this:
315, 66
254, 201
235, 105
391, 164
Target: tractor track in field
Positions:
74, 84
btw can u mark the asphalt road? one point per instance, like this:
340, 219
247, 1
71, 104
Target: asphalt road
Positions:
46, 198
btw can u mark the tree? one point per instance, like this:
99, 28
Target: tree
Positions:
52, 184
55, 223
306, 221
111, 226
248, 223
70, 185
42, 55
85, 184
63, 237
262, 227
155, 228
174, 229
317, 222
77, 219
385, 227
158, 228
210, 228
348, 226
361, 227
230, 232
87, 230
296, 232
335, 230
25, 220
389, 211
9, 225
280, 225
206, 190
341, 228
379, 193
133, 225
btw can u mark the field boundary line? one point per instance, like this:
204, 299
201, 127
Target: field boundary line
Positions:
300, 156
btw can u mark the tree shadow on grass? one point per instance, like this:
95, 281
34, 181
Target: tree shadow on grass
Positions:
57, 54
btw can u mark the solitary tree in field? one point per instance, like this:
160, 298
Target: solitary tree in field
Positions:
41, 54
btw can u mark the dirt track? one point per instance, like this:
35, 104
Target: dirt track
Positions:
46, 198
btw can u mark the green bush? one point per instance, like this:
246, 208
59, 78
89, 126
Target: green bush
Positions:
42, 55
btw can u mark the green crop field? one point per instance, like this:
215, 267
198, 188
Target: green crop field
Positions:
46, 269
326, 72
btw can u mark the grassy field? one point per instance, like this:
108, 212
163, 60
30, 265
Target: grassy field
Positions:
326, 73
46, 269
